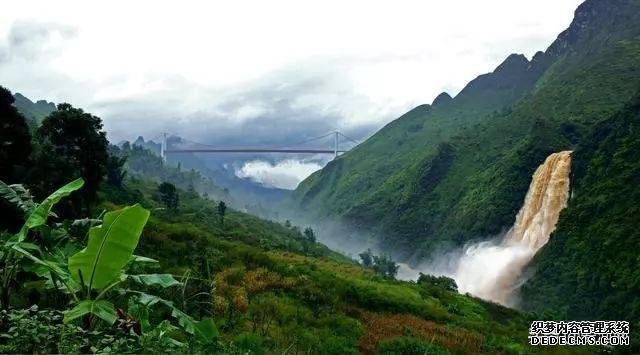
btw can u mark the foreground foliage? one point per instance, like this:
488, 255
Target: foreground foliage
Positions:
91, 278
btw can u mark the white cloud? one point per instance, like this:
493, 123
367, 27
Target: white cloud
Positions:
285, 174
194, 67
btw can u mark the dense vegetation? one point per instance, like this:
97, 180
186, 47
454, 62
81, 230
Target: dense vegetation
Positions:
143, 267
141, 162
458, 170
107, 249
590, 267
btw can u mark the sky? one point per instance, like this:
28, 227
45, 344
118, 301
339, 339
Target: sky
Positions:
261, 73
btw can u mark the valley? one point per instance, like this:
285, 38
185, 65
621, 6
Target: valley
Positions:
451, 229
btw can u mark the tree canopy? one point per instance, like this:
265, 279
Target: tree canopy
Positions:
72, 144
15, 139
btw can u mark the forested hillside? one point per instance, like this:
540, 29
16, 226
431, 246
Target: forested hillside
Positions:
107, 248
138, 161
106, 262
458, 170
590, 267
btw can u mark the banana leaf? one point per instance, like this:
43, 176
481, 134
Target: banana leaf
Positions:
109, 248
40, 214
101, 309
162, 280
17, 195
205, 330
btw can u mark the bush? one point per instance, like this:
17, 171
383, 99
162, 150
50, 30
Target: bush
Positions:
249, 343
443, 282
42, 331
409, 346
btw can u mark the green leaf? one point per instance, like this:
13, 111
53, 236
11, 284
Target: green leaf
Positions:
17, 195
140, 312
49, 265
163, 280
149, 300
206, 330
142, 259
101, 309
86, 222
40, 214
137, 261
185, 320
109, 248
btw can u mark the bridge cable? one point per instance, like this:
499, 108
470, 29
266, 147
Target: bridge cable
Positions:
348, 138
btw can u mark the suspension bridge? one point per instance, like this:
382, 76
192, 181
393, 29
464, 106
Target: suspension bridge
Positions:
293, 148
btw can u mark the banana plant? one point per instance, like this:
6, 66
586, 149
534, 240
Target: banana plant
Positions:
99, 267
89, 275
15, 247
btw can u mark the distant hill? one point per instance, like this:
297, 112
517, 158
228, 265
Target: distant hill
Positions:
143, 163
243, 194
34, 112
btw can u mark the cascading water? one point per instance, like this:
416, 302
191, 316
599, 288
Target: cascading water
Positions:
493, 270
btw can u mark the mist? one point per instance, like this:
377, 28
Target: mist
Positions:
284, 174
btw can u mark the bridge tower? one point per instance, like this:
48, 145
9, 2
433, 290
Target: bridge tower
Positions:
335, 147
163, 148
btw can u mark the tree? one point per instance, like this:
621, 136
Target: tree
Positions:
15, 140
442, 282
222, 209
381, 264
169, 195
367, 258
309, 236
115, 170
385, 266
72, 145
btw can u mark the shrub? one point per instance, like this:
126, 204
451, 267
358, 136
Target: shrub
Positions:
410, 346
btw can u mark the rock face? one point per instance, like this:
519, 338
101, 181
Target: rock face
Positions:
590, 18
441, 100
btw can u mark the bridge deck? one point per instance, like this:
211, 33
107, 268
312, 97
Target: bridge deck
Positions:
253, 150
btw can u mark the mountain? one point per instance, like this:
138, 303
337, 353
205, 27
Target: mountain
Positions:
34, 112
458, 170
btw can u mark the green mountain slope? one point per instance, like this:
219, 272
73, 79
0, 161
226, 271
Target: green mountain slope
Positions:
459, 170
273, 291
143, 163
589, 268
34, 112
205, 281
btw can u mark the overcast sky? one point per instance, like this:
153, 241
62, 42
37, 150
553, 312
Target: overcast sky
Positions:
261, 72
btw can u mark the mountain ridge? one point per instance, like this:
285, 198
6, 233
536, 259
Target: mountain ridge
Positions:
34, 112
372, 186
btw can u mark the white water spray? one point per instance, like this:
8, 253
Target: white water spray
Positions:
492, 270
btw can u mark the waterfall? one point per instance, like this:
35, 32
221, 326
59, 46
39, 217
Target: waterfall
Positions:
493, 270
